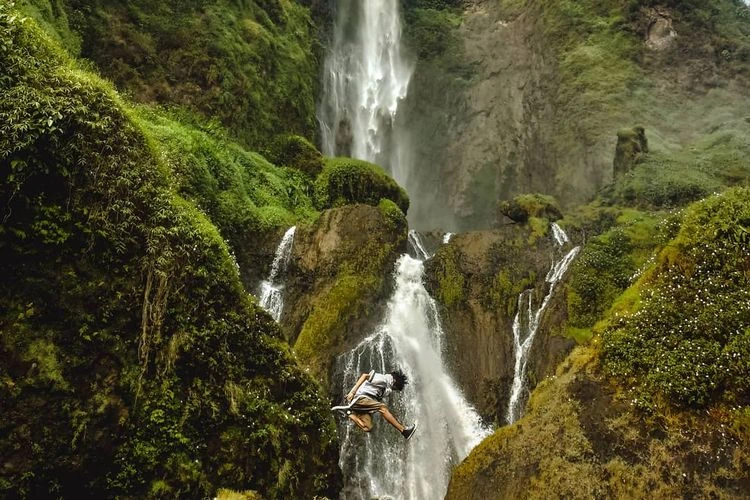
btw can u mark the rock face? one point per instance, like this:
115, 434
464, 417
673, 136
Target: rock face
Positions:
338, 281
534, 99
477, 278
660, 33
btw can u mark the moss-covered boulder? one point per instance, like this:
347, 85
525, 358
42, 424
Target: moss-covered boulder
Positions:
632, 145
345, 181
523, 207
132, 361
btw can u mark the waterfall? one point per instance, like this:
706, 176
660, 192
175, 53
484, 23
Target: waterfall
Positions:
417, 247
365, 78
526, 322
447, 238
271, 298
381, 464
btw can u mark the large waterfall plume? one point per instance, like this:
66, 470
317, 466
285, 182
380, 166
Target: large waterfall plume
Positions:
381, 464
365, 79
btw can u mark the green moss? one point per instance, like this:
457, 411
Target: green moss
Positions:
298, 153
394, 217
450, 279
325, 328
251, 65
526, 206
347, 181
137, 323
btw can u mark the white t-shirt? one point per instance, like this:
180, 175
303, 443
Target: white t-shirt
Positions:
377, 386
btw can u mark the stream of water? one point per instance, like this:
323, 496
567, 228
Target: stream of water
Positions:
271, 289
526, 323
365, 79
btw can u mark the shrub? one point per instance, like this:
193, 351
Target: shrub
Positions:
296, 152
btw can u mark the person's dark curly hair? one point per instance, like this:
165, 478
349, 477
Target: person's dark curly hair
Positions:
399, 380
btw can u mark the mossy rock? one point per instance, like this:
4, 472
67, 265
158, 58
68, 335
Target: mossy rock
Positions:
346, 181
632, 145
296, 152
523, 207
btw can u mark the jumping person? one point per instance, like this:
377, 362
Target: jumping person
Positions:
365, 399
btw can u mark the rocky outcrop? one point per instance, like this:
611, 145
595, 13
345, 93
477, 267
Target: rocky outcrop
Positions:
338, 281
477, 278
582, 438
632, 145
521, 208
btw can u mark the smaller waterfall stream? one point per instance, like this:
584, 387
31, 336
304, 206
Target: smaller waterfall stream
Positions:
271, 289
526, 322
380, 464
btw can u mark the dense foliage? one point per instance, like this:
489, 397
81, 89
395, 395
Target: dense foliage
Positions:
132, 361
689, 339
251, 65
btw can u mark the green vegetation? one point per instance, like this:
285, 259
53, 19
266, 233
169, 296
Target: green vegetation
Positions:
298, 153
704, 167
239, 190
251, 65
133, 362
432, 30
581, 439
686, 341
450, 279
344, 181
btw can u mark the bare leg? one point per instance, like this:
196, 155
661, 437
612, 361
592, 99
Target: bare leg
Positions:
364, 424
390, 418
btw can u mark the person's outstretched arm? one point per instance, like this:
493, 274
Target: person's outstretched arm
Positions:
360, 381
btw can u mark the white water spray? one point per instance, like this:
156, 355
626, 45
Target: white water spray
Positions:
526, 323
271, 289
381, 464
365, 79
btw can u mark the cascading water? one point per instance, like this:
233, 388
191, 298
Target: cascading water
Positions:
417, 247
365, 79
381, 464
526, 322
271, 296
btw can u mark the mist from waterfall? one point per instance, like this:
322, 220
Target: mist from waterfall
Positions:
527, 320
271, 289
382, 464
365, 79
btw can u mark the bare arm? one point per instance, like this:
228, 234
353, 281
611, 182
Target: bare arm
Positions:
360, 381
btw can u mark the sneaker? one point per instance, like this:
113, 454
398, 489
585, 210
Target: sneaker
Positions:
407, 433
